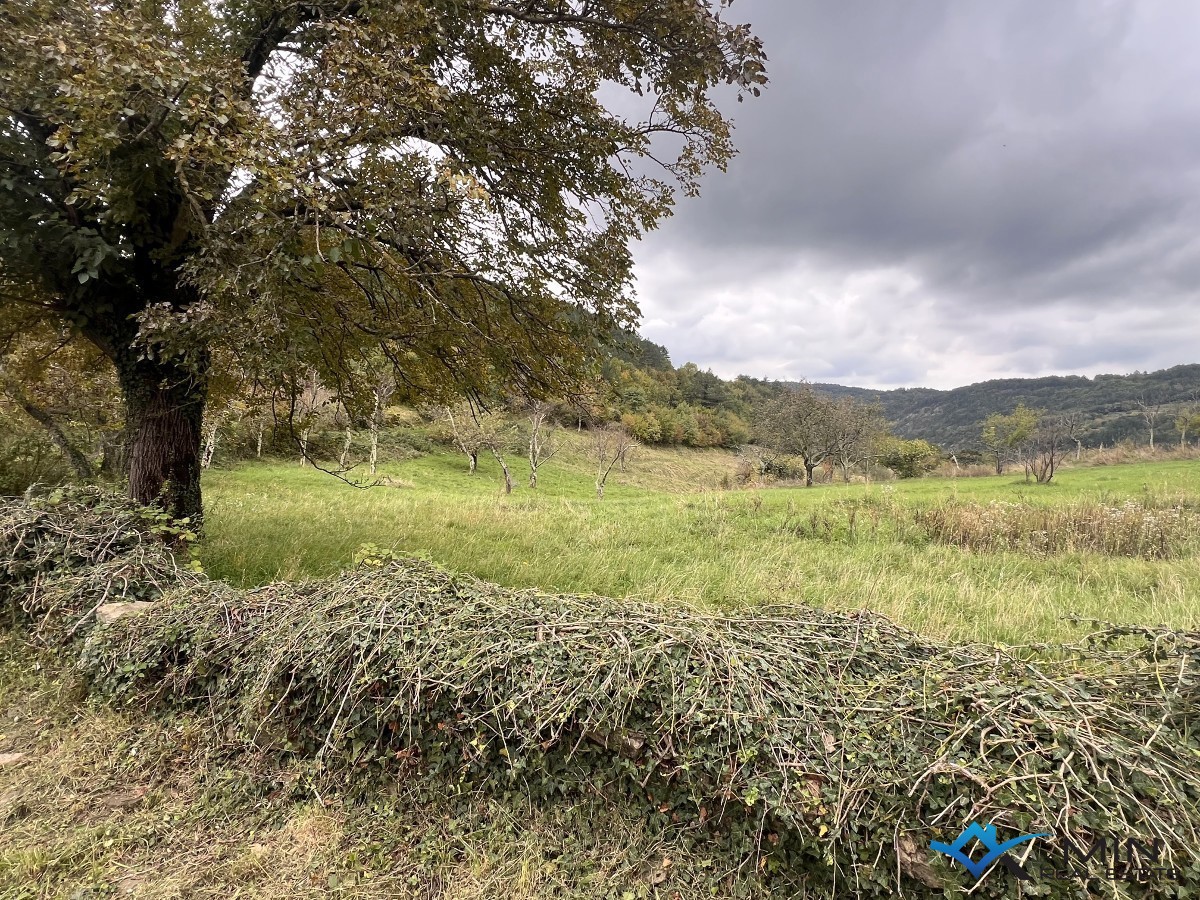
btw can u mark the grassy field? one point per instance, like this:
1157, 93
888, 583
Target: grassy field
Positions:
992, 559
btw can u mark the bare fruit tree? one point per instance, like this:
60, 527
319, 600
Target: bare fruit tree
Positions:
499, 438
1150, 409
382, 389
308, 400
345, 423
612, 445
859, 429
476, 431
543, 438
465, 434
1044, 450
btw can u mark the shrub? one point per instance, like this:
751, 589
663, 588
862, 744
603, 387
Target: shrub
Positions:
27, 457
909, 459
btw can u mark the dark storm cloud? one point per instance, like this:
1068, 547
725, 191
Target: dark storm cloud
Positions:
938, 192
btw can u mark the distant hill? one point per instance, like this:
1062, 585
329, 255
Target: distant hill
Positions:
1109, 403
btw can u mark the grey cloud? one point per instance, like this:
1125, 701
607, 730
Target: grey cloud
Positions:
920, 173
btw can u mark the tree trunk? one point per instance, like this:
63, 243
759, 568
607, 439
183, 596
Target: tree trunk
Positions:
210, 447
164, 409
304, 435
508, 482
112, 454
345, 457
808, 474
258, 449
376, 418
473, 455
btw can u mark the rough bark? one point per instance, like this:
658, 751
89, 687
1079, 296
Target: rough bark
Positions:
164, 411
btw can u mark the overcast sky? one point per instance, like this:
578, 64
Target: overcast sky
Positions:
938, 192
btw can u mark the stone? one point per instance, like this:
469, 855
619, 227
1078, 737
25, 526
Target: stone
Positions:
125, 799
110, 612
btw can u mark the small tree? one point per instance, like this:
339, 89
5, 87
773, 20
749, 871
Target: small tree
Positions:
466, 436
1150, 408
308, 403
1044, 449
499, 437
344, 422
382, 388
543, 443
1003, 435
858, 430
800, 422
476, 431
612, 445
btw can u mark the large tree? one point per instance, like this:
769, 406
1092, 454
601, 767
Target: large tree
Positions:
306, 183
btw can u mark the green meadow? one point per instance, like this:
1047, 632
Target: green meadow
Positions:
986, 559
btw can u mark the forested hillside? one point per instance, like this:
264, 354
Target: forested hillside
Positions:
1111, 408
649, 390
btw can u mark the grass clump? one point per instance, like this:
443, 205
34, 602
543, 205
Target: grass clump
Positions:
1133, 527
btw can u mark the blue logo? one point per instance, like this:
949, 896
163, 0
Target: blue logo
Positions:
986, 836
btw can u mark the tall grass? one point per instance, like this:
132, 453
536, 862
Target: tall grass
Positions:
664, 533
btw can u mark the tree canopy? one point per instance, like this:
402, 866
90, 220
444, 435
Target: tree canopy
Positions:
302, 185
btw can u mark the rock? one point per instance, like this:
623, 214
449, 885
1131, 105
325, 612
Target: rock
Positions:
110, 612
125, 799
10, 759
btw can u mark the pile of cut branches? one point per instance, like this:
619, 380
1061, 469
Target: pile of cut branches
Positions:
68, 552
